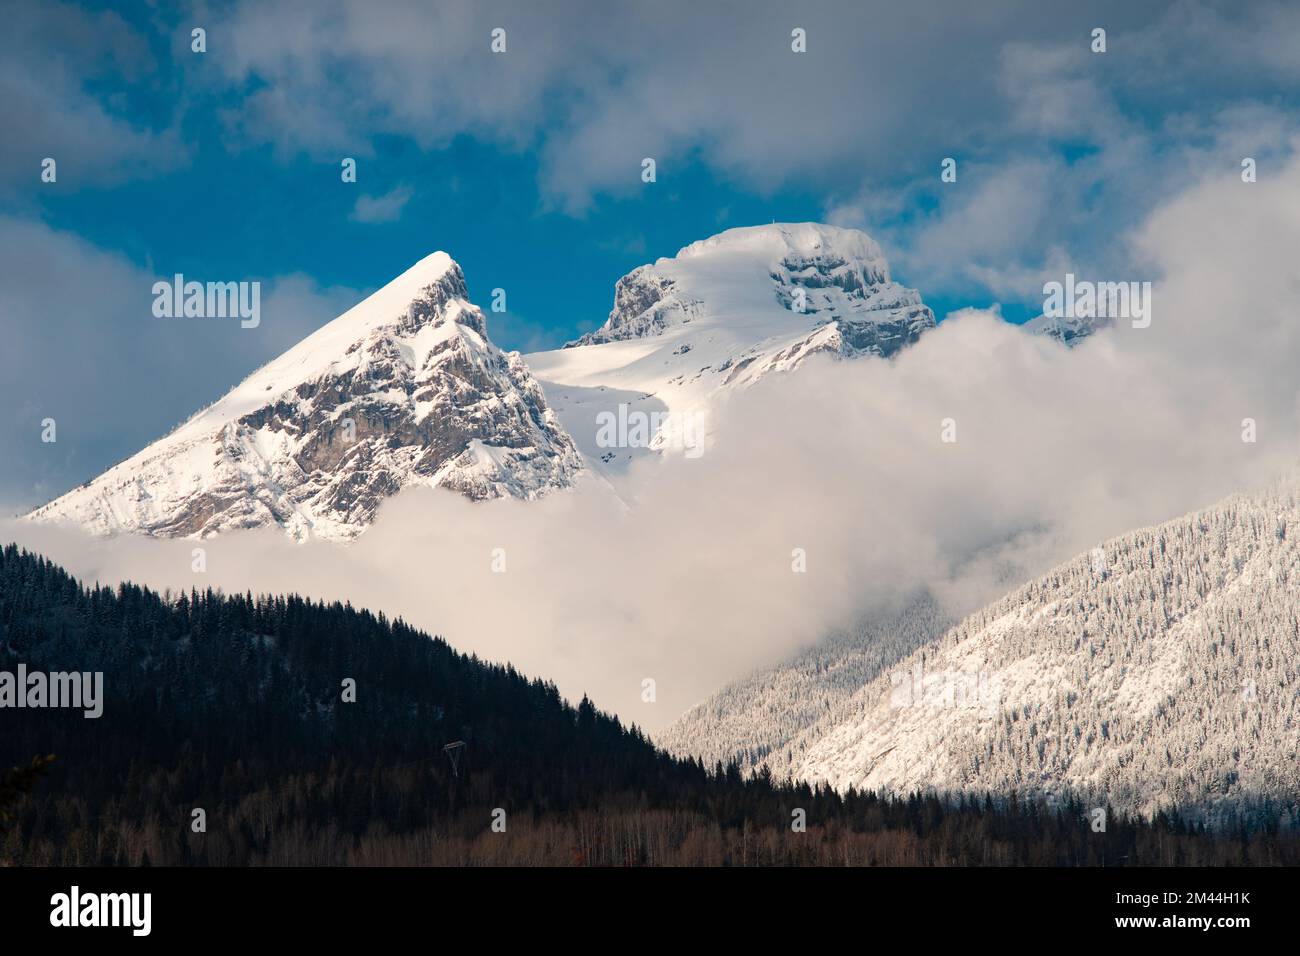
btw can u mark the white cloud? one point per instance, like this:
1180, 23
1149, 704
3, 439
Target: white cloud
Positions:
878, 98
51, 55
1006, 227
385, 208
880, 93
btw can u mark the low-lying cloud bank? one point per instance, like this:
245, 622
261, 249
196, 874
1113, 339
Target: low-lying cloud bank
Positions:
682, 573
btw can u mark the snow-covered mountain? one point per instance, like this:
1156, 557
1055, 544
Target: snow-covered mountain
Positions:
721, 314
406, 388
403, 389
771, 717
1160, 670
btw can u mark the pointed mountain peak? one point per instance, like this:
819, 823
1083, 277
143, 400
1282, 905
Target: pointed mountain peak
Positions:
402, 389
427, 293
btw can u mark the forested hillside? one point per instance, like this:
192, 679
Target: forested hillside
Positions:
1161, 671
771, 717
235, 705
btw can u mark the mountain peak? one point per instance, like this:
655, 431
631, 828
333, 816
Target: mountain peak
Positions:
757, 276
722, 314
402, 389
420, 294
430, 269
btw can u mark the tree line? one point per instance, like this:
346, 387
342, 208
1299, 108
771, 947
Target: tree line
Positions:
234, 705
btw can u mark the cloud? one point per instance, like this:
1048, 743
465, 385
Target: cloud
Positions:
52, 56
880, 94
681, 572
1059, 149
1006, 227
385, 208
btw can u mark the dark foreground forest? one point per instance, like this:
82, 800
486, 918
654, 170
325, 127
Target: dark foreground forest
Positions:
234, 705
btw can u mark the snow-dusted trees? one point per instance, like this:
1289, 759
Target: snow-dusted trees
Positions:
1166, 675
767, 718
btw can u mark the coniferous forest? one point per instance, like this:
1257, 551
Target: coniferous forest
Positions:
226, 740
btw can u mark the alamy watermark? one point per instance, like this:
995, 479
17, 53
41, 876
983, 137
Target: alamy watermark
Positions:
637, 429
946, 690
177, 299
83, 690
1083, 299
76, 908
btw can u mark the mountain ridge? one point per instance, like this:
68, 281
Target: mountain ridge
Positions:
1158, 671
406, 388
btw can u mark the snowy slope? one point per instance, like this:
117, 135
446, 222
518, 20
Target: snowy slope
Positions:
405, 388
721, 314
1164, 671
772, 716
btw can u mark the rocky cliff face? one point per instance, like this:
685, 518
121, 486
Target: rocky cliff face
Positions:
403, 389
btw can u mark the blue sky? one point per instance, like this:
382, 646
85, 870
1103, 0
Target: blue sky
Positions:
525, 166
